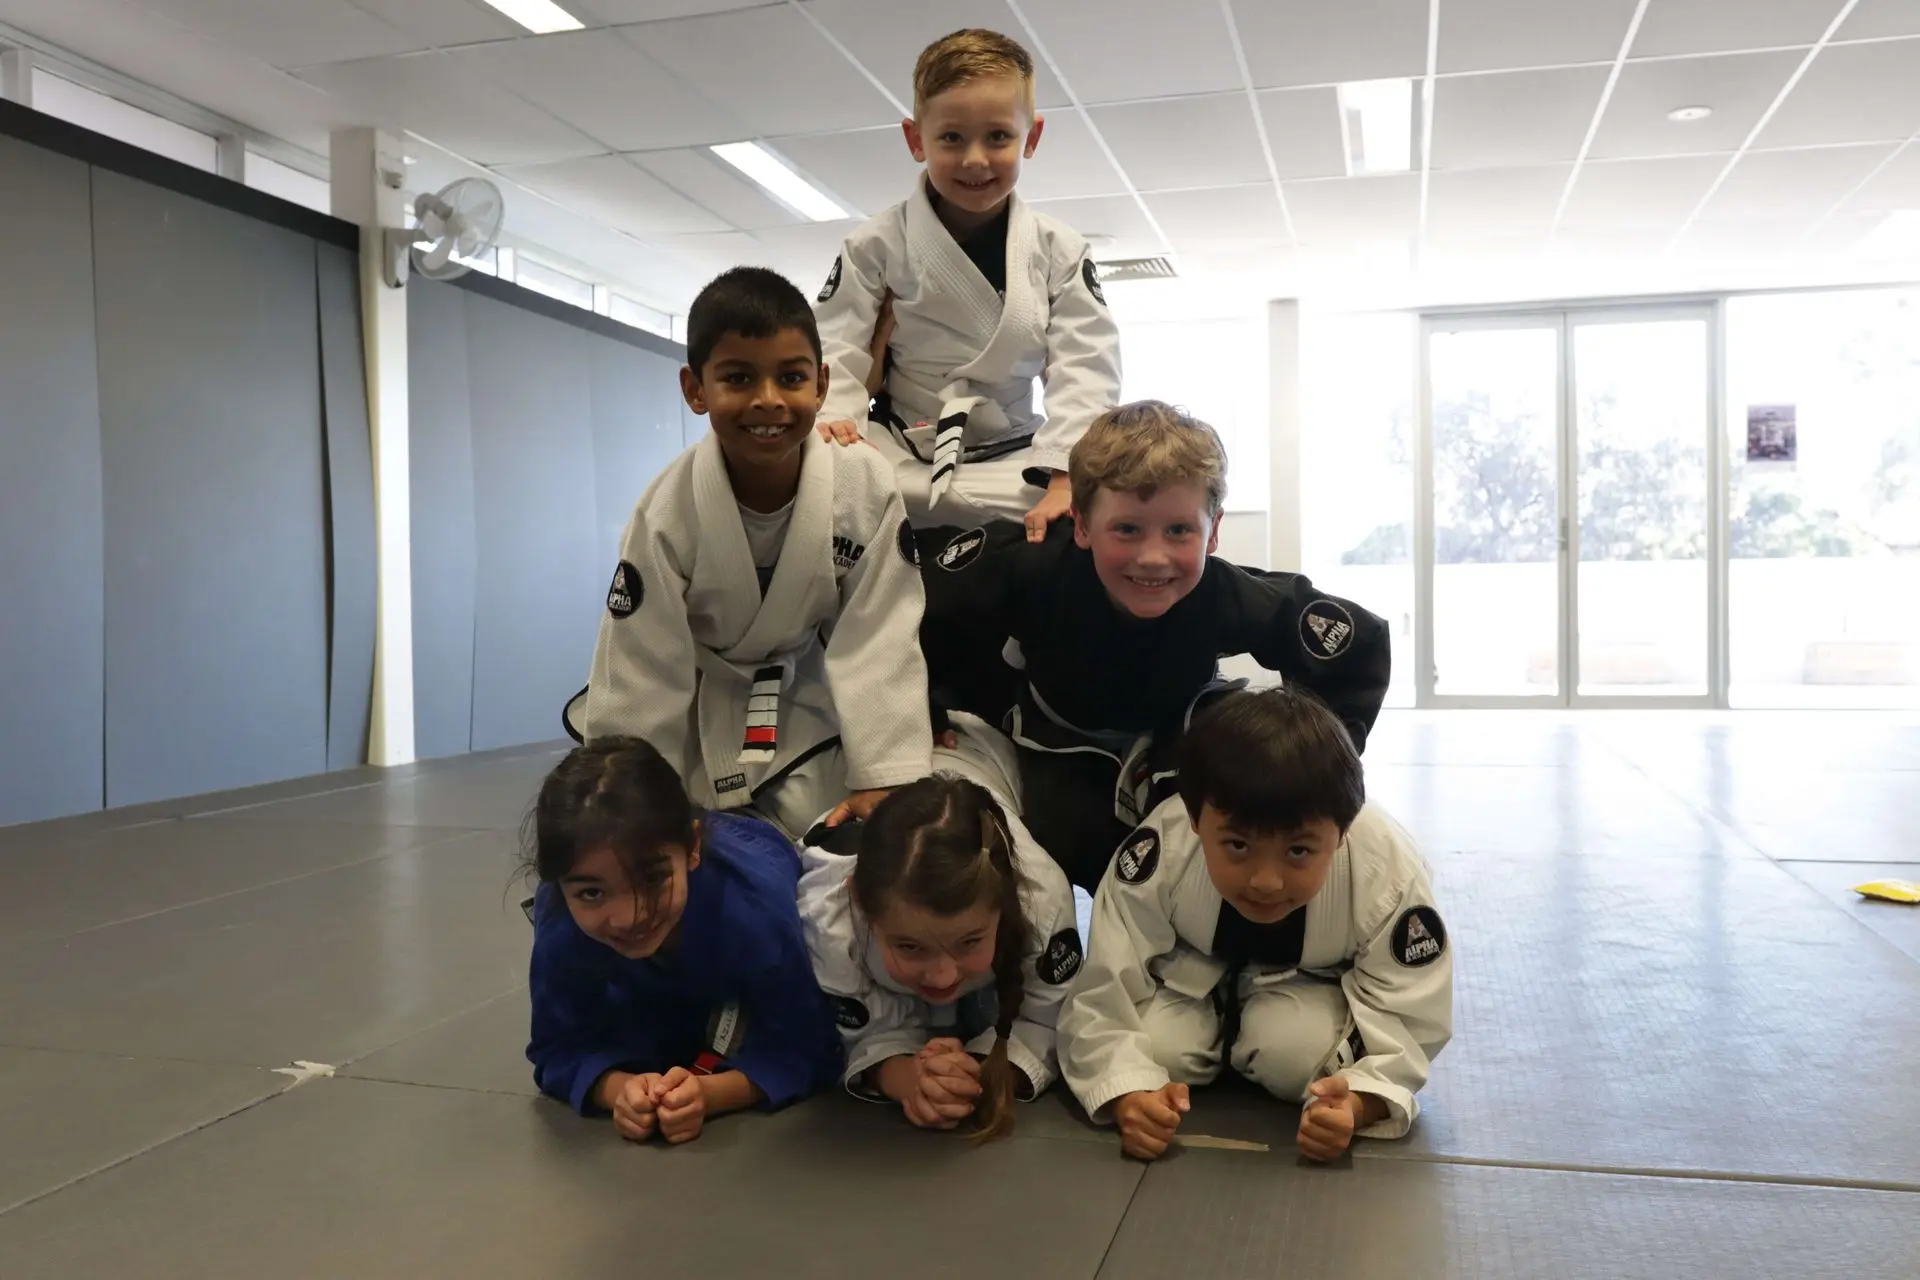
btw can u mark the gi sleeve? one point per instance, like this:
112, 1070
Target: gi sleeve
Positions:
578, 1032
1082, 373
974, 590
846, 312
789, 1049
1331, 647
1400, 989
642, 683
1105, 1050
1053, 957
875, 670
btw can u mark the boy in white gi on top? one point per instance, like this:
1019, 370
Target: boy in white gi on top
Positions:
944, 938
762, 626
986, 295
1268, 917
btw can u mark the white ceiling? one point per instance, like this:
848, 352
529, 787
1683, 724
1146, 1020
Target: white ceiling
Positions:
1202, 128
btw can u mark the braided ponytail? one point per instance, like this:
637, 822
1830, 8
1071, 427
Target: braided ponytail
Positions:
993, 1116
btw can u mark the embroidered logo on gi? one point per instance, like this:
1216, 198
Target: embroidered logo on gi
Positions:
846, 552
832, 286
1418, 937
909, 548
1061, 959
850, 1013
1091, 274
1326, 629
624, 596
1138, 857
732, 782
962, 550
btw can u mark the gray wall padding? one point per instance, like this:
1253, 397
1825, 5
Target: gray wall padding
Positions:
343, 374
51, 524
637, 431
216, 608
534, 520
440, 466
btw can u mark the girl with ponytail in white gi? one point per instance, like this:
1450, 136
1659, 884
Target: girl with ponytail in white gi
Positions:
944, 939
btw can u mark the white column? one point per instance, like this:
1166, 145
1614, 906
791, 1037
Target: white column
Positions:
16, 76
1283, 432
368, 168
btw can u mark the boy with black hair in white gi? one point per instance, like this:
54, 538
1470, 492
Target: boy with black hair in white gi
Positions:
1265, 917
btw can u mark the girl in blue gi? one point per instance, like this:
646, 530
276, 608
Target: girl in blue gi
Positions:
670, 979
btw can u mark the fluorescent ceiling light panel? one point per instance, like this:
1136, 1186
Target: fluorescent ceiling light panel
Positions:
1897, 237
1376, 117
780, 182
542, 17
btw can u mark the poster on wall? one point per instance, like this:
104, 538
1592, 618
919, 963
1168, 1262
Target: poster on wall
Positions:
1773, 440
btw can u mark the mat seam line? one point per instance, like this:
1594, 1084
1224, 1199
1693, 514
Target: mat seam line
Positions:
1677, 1175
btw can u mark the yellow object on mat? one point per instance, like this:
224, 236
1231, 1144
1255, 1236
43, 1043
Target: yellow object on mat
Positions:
1891, 890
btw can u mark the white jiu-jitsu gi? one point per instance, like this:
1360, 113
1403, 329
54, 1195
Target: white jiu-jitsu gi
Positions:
880, 1019
965, 357
788, 700
1357, 983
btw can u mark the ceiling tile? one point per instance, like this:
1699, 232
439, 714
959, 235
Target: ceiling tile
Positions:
1895, 186
1714, 26
442, 23
712, 252
1347, 210
716, 186
1519, 118
435, 97
1068, 164
1739, 88
1184, 142
1470, 206
1632, 194
1114, 225
291, 35
1221, 219
615, 192
887, 37
867, 168
615, 12
1851, 93
784, 75
1303, 128
1501, 35
1873, 19
1791, 184
1299, 44
1126, 50
603, 86
804, 253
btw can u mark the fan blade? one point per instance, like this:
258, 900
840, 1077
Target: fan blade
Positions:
436, 257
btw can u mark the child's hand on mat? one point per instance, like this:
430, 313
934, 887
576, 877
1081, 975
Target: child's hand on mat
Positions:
682, 1106
1057, 503
1331, 1116
839, 431
634, 1107
857, 807
1148, 1119
945, 1085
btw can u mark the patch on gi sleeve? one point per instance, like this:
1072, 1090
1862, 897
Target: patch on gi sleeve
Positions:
909, 548
624, 596
962, 550
850, 1013
1091, 274
1061, 959
832, 286
1326, 629
1418, 937
1139, 856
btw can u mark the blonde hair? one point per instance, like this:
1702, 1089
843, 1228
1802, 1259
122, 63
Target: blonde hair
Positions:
1142, 447
966, 56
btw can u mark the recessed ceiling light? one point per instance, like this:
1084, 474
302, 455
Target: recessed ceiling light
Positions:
1376, 119
780, 182
1685, 115
542, 17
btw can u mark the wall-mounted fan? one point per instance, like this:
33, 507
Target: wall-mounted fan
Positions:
462, 219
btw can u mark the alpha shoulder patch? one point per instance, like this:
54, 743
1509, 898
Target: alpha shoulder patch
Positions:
1061, 960
1418, 937
1139, 856
962, 550
850, 1013
832, 286
624, 596
1091, 274
1326, 629
909, 547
